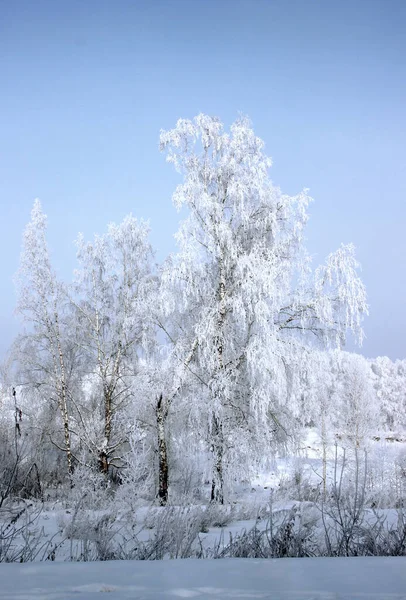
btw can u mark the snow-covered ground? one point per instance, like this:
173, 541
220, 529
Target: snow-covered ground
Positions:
76, 530
280, 579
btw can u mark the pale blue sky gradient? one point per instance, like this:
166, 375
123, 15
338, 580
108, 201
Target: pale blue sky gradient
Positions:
85, 87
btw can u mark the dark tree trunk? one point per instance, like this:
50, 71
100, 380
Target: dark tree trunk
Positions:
104, 454
217, 484
217, 447
103, 462
163, 467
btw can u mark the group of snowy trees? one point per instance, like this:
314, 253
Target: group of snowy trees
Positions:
224, 351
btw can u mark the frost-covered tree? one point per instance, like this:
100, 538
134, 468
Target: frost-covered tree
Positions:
359, 410
43, 349
389, 380
321, 405
240, 289
111, 297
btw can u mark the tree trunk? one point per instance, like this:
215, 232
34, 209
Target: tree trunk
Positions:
108, 414
103, 462
108, 392
324, 458
217, 484
163, 467
63, 405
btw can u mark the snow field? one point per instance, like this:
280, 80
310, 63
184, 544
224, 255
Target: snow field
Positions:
239, 579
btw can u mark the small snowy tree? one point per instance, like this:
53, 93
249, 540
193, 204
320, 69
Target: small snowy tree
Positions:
321, 403
245, 297
358, 402
42, 350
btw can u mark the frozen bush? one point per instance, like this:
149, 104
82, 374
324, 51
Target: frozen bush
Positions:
89, 487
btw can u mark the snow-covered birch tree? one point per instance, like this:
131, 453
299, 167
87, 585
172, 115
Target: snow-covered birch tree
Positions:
246, 299
111, 298
40, 301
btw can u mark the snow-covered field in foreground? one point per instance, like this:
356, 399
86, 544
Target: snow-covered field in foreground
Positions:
280, 579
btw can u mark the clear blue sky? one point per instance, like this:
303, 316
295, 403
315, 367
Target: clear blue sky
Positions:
85, 87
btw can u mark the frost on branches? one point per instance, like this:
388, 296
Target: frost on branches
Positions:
241, 292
